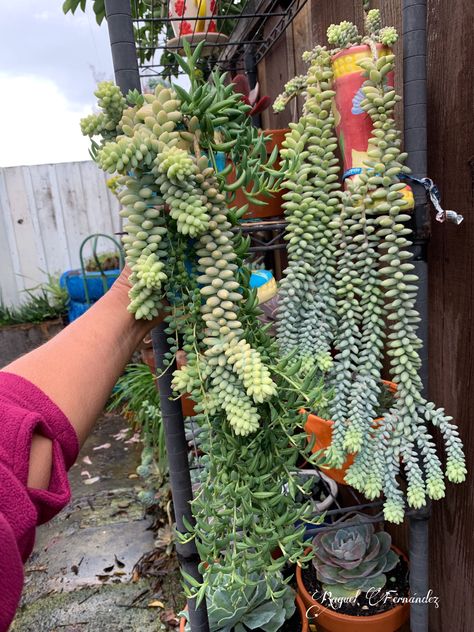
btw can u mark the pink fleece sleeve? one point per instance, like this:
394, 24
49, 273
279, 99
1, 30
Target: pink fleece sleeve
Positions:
25, 409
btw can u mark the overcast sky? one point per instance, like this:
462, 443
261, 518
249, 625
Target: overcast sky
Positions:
49, 66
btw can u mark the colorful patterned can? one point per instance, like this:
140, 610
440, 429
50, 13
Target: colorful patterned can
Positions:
353, 125
185, 12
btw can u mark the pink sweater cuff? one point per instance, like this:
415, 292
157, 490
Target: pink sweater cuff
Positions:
25, 409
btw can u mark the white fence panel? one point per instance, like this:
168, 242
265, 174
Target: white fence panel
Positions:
45, 213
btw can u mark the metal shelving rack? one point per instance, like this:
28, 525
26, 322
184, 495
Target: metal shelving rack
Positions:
248, 43
153, 36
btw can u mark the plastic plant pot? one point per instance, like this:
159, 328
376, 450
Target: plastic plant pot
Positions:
327, 620
322, 431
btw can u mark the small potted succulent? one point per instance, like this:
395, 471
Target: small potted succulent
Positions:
271, 203
243, 607
358, 580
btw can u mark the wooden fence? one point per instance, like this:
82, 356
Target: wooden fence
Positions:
451, 254
45, 213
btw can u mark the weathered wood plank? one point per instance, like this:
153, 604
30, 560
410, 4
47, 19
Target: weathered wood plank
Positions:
47, 211
451, 277
23, 238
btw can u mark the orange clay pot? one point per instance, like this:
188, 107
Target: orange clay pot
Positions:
274, 203
299, 604
187, 404
327, 620
322, 430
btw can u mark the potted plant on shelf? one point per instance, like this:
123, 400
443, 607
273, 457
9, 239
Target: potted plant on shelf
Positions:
267, 204
357, 580
349, 289
245, 606
94, 278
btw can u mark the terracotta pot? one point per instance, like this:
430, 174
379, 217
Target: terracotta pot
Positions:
353, 126
299, 604
331, 621
148, 358
274, 203
187, 404
322, 430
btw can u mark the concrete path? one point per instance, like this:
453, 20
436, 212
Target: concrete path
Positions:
79, 577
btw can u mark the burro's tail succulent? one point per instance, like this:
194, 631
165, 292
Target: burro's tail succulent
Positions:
306, 315
353, 558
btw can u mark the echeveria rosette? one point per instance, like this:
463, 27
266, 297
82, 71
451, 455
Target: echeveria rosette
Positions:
306, 316
353, 558
248, 604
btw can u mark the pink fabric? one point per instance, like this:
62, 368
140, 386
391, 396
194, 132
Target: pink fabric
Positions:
25, 409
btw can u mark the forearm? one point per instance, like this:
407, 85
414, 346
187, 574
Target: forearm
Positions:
78, 368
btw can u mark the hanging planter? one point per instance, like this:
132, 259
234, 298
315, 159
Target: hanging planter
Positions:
357, 581
322, 428
353, 127
194, 21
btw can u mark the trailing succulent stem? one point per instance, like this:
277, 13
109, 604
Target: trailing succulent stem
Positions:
389, 292
306, 319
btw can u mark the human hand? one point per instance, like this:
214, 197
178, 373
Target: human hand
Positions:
121, 288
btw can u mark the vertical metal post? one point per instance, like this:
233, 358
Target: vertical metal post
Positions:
122, 42
180, 480
415, 99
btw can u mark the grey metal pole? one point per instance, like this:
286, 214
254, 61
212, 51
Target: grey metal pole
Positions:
415, 100
180, 480
122, 44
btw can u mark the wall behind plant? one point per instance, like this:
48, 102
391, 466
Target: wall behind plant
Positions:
45, 213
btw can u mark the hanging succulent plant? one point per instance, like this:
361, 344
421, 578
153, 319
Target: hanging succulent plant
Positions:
183, 248
376, 289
